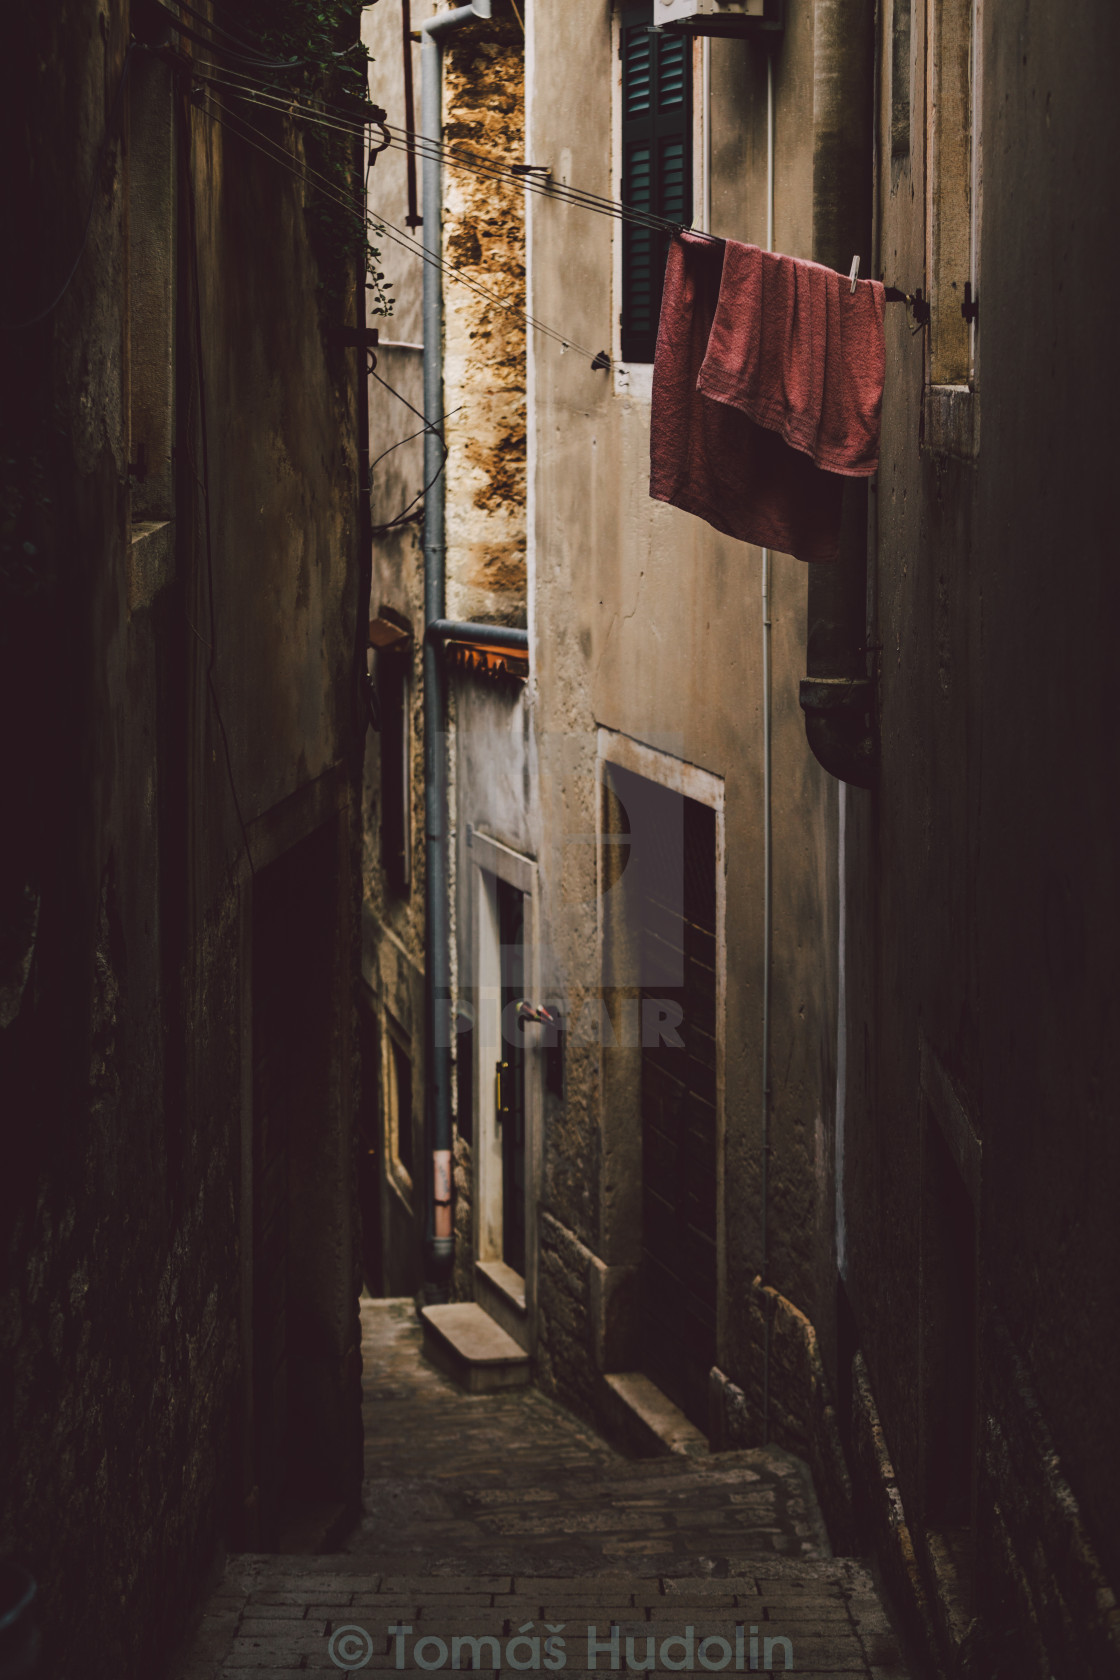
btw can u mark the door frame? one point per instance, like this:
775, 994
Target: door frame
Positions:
620, 1062
490, 858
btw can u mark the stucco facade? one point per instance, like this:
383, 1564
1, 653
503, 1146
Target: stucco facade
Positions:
648, 630
910, 1257
626, 603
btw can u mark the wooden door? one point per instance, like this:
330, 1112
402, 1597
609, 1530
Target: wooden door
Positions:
511, 934
673, 857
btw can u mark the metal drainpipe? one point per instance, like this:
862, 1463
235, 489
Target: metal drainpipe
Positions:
437, 920
767, 823
838, 695
444, 630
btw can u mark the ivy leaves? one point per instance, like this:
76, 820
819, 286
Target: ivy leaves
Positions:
324, 36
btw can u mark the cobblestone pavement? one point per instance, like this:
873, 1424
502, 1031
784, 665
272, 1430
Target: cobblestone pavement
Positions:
496, 1523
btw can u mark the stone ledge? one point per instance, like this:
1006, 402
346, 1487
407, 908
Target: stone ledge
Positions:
464, 1342
646, 1421
151, 561
951, 421
500, 1291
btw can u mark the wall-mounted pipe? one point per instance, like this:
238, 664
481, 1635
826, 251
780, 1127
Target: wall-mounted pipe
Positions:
437, 917
837, 696
767, 828
463, 630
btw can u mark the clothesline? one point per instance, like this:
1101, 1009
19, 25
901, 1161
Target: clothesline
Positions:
336, 118
400, 139
303, 172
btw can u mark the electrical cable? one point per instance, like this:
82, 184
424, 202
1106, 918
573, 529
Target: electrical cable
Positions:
454, 158
412, 142
114, 111
310, 177
381, 225
428, 426
334, 116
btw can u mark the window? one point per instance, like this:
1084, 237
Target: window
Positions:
656, 164
394, 689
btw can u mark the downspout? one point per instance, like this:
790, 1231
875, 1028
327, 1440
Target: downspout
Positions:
437, 919
838, 693
767, 827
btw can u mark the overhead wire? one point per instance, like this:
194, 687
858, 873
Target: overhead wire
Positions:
305, 173
302, 171
335, 117
412, 142
452, 157
428, 426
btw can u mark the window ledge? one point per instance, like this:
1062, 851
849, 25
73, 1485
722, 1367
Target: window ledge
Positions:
634, 379
951, 421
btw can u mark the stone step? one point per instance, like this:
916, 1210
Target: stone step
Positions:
464, 1342
645, 1422
500, 1292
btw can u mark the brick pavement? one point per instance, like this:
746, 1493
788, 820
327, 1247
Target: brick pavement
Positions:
493, 1521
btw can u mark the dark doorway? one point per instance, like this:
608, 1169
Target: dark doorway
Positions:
671, 892
511, 1074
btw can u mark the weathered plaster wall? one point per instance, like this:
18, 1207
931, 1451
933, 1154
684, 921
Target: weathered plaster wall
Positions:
983, 879
484, 487
649, 623
393, 921
126, 1055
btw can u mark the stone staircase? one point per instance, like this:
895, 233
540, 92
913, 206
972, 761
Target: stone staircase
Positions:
466, 1344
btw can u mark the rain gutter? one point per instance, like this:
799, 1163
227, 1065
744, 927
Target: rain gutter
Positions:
438, 1244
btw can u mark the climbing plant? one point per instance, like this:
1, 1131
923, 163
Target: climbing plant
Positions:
324, 36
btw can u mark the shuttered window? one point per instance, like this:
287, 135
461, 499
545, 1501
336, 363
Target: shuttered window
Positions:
656, 164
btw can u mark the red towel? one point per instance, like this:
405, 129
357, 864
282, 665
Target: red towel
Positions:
767, 386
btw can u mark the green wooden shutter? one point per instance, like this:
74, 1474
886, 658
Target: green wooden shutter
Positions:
656, 165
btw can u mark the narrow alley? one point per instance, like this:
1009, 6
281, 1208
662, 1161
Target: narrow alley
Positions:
559, 1035
487, 1515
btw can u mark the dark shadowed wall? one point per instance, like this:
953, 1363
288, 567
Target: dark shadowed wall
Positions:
180, 598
